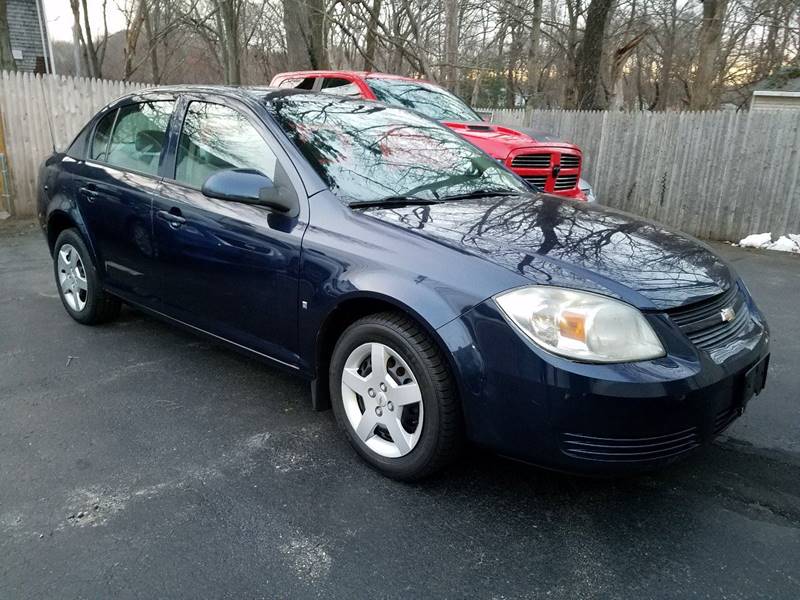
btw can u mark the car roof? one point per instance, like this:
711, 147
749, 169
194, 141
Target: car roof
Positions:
360, 74
246, 93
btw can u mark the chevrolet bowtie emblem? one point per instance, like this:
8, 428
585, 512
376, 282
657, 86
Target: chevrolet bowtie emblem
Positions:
727, 314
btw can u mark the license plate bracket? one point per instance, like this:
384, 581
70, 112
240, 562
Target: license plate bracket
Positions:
755, 378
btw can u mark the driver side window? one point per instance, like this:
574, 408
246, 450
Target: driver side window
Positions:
215, 138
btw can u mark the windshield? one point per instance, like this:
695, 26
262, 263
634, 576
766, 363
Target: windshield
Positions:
431, 100
368, 152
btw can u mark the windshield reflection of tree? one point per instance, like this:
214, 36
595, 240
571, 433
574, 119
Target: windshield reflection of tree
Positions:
368, 152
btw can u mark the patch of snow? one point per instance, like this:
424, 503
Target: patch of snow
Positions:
756, 240
785, 243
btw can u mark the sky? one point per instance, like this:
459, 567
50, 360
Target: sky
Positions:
59, 18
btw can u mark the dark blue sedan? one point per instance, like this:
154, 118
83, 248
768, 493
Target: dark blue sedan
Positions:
428, 294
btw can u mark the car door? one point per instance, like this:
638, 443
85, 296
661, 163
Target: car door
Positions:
229, 268
115, 194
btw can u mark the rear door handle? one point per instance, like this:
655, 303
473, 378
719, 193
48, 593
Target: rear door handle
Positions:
89, 191
172, 216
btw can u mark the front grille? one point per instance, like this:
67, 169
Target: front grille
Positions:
703, 324
570, 161
608, 449
565, 182
537, 180
531, 161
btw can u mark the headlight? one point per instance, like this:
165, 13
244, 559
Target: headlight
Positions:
581, 325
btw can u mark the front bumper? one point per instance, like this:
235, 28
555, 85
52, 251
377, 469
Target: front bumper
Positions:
590, 418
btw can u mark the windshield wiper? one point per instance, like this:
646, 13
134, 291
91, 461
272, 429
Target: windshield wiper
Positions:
393, 202
482, 194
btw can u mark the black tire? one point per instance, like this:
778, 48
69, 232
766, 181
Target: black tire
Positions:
100, 306
441, 439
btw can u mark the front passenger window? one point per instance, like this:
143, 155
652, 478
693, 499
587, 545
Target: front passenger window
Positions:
215, 138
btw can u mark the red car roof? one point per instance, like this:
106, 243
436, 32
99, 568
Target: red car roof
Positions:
359, 74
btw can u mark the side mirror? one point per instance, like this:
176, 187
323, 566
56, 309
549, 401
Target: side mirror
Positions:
249, 186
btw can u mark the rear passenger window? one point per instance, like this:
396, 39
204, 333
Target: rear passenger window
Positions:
139, 136
341, 87
102, 133
300, 83
215, 138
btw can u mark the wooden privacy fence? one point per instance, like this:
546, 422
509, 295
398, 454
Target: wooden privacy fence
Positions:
26, 101
717, 175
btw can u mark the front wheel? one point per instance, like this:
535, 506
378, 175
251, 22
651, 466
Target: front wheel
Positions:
78, 283
393, 395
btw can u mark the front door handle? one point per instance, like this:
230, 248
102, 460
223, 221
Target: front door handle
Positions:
172, 216
89, 192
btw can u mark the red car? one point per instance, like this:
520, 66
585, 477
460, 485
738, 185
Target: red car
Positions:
551, 164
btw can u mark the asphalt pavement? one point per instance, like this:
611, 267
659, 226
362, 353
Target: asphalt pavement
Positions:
139, 461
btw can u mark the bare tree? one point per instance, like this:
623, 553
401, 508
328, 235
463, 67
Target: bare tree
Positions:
623, 54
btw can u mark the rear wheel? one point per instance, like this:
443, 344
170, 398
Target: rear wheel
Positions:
78, 283
394, 397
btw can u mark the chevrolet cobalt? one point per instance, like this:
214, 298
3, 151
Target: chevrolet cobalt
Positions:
427, 293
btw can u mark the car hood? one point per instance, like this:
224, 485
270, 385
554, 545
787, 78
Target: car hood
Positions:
500, 141
550, 240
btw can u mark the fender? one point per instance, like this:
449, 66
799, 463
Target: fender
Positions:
61, 207
319, 330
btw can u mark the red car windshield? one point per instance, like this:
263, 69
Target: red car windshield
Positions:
430, 100
367, 152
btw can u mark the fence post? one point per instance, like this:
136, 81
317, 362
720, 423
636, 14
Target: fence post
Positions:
5, 173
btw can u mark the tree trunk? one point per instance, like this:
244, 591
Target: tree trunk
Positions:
78, 46
665, 76
95, 69
588, 60
533, 54
513, 57
372, 35
476, 88
155, 71
616, 88
304, 21
7, 62
132, 37
228, 31
451, 18
573, 11
708, 47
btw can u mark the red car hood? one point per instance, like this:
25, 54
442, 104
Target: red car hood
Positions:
499, 141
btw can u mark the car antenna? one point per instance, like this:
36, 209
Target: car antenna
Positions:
49, 114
